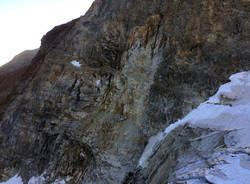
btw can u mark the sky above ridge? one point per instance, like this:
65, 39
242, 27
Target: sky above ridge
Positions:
24, 22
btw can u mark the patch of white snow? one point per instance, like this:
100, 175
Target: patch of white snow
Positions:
37, 180
149, 149
235, 170
238, 79
14, 180
76, 63
41, 180
98, 82
59, 181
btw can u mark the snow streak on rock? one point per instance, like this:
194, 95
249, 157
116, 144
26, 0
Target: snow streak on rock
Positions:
34, 180
149, 149
235, 170
14, 180
76, 63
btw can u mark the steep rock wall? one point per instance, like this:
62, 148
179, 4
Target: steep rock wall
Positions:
144, 64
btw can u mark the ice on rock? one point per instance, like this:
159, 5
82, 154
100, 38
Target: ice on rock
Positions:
76, 63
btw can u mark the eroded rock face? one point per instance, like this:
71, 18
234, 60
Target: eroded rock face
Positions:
143, 65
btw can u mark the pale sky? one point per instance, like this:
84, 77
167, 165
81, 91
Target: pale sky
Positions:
24, 22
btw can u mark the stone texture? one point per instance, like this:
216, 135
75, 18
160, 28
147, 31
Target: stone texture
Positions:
144, 64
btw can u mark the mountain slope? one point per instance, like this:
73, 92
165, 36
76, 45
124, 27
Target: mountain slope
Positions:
21, 60
10, 74
141, 65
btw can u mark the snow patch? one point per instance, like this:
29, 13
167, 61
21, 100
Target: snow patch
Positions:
154, 140
235, 170
37, 180
149, 149
76, 63
228, 109
41, 180
238, 79
174, 126
59, 181
98, 82
14, 180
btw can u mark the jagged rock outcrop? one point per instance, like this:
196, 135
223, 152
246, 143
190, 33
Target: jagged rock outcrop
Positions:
142, 65
210, 145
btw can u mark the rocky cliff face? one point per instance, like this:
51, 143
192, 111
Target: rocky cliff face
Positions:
103, 84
